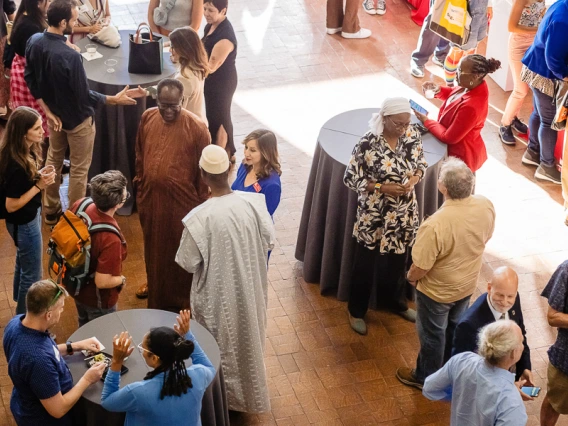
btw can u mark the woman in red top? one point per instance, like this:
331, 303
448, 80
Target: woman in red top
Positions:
463, 113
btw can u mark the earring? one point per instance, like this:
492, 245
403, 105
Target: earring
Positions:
471, 83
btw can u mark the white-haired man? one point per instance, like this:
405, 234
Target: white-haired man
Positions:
446, 260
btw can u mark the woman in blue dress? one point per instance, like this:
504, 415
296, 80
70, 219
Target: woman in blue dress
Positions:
260, 170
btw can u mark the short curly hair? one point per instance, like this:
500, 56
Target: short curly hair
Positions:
457, 178
107, 189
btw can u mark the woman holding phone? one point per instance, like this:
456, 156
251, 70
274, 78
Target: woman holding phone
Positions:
463, 113
22, 181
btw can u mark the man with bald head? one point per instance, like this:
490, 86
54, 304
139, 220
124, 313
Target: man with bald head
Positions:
501, 301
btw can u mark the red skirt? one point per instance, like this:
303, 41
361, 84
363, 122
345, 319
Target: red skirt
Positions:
20, 95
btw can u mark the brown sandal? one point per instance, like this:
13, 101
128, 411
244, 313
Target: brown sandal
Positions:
142, 292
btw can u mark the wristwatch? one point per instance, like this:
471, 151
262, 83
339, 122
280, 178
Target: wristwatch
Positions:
69, 347
123, 280
378, 186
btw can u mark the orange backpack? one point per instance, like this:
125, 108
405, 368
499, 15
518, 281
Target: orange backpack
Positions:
69, 247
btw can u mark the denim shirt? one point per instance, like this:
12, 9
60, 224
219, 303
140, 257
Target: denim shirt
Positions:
54, 73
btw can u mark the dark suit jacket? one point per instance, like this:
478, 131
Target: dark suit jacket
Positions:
478, 316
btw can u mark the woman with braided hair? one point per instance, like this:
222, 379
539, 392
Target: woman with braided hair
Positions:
169, 394
463, 113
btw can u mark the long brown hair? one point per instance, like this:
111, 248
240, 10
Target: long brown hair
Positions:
268, 147
14, 145
191, 52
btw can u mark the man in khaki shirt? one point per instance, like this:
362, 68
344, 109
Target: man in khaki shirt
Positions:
446, 260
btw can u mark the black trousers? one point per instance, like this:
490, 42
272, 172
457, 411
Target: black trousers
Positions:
389, 270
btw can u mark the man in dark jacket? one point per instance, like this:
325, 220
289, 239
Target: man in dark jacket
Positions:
501, 301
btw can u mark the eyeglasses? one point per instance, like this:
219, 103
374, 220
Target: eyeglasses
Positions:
173, 107
140, 348
126, 198
60, 291
400, 126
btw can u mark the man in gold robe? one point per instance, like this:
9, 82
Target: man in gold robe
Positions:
168, 185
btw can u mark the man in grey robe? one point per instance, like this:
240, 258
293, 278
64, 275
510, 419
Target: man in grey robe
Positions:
225, 244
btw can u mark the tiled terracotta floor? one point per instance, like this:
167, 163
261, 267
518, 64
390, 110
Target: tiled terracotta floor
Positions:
293, 77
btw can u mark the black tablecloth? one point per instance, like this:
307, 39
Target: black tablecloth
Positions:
325, 242
137, 322
117, 125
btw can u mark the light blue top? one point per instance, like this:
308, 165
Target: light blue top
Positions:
141, 400
481, 395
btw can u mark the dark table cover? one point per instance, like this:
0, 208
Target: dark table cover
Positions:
117, 125
138, 322
325, 239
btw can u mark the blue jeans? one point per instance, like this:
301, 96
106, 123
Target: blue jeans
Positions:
89, 313
435, 324
28, 258
542, 138
428, 43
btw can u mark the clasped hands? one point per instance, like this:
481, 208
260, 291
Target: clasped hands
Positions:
394, 189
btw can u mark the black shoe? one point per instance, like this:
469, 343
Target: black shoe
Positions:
549, 173
52, 219
506, 134
531, 158
519, 126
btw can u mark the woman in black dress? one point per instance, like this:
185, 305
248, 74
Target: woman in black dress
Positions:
221, 45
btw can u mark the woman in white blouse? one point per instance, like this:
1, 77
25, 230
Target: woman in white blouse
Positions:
164, 16
93, 16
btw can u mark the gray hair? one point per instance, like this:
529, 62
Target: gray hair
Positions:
457, 178
497, 340
107, 189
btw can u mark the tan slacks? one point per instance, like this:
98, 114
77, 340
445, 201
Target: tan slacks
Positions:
348, 21
80, 141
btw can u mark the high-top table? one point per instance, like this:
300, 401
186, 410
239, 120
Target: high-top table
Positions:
88, 410
117, 126
325, 242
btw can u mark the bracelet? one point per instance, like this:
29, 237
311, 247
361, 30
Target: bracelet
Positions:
35, 184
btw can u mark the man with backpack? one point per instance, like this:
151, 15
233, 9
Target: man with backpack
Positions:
555, 402
94, 280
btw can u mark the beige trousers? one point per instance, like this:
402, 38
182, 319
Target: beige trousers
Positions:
518, 45
348, 21
80, 141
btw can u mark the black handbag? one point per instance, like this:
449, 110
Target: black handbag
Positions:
146, 52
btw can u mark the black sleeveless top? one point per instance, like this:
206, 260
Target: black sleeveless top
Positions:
227, 73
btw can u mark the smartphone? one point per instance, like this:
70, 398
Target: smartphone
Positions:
530, 391
417, 107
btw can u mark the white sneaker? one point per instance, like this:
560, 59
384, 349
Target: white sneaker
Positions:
362, 33
333, 30
381, 7
369, 7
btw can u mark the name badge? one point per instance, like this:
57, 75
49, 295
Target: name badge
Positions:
257, 187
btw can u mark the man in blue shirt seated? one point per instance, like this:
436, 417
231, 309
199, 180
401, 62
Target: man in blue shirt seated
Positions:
480, 387
501, 301
43, 390
556, 400
56, 78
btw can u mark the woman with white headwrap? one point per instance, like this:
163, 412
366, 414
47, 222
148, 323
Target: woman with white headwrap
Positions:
385, 166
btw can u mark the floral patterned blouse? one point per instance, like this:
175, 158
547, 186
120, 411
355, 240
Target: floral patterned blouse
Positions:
382, 220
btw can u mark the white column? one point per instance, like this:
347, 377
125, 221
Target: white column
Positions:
498, 43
